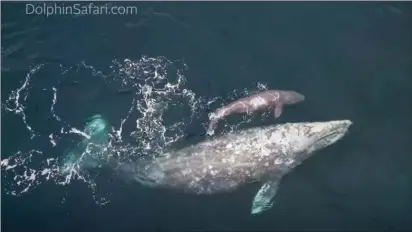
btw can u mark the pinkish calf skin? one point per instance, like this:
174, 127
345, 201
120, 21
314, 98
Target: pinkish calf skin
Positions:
270, 99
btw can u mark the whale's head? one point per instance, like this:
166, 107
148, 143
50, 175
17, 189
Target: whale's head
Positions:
318, 135
301, 139
296, 142
291, 97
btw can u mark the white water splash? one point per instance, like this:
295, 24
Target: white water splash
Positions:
16, 104
158, 90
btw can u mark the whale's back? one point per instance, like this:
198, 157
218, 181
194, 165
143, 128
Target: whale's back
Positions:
228, 161
220, 164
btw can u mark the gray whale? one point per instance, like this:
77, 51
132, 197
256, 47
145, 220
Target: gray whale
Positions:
226, 162
269, 99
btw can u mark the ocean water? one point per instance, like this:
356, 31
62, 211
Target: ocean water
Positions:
174, 62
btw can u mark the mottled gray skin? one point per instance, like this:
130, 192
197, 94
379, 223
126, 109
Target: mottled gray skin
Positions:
271, 99
234, 159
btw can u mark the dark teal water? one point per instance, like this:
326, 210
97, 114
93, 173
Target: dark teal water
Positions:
351, 60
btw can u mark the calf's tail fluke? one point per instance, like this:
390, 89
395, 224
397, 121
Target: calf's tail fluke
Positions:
212, 127
214, 118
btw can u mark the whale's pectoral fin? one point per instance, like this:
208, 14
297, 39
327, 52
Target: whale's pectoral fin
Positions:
278, 110
263, 199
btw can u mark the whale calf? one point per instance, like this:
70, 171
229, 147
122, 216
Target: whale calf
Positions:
269, 99
226, 162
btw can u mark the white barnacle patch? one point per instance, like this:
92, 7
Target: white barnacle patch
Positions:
276, 96
289, 161
258, 101
278, 161
229, 146
264, 152
276, 136
242, 139
255, 144
193, 183
267, 164
186, 172
210, 166
316, 128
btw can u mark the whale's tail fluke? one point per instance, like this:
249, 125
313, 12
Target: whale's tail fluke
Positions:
91, 151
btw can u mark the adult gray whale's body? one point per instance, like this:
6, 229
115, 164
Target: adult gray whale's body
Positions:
229, 161
269, 99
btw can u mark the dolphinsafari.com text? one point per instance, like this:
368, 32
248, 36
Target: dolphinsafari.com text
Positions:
51, 9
